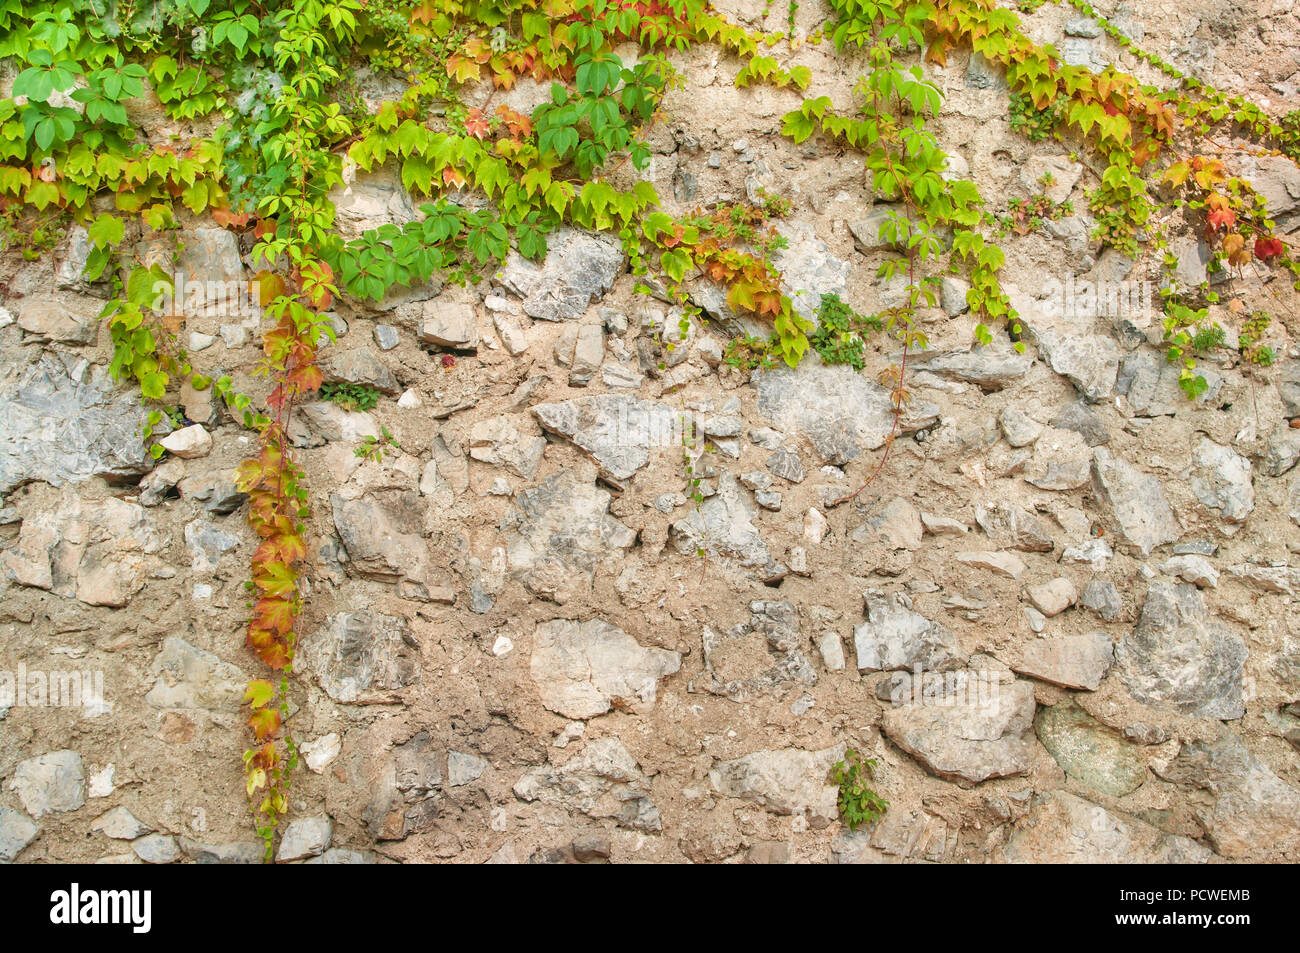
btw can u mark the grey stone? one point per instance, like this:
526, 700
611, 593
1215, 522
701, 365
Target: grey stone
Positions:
1011, 527
328, 421
1254, 813
188, 443
1088, 751
1180, 658
370, 201
989, 367
1084, 421
618, 431
584, 669
1194, 569
1083, 26
48, 318
361, 366
1005, 564
497, 442
588, 353
866, 230
235, 852
558, 533
840, 412
1071, 661
157, 849
983, 73
578, 266
1064, 172
96, 552
1063, 828
1283, 451
386, 336
120, 824
1288, 387
376, 533
982, 734
209, 254
952, 295
356, 654
1136, 501
1221, 479
464, 768
1018, 428
305, 837
1089, 361
62, 427
1053, 598
604, 781
786, 781
1101, 596
17, 830
762, 657
452, 324
1151, 384
188, 677
894, 637
1277, 179
50, 783
786, 465
807, 268
897, 525
722, 525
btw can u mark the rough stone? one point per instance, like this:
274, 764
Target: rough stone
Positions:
894, 637
1063, 828
1089, 361
990, 367
1221, 480
1101, 596
62, 425
604, 781
305, 837
1071, 661
618, 431
584, 669
1088, 751
559, 532
188, 677
762, 657
464, 768
985, 733
1053, 598
48, 318
498, 442
839, 411
1011, 527
357, 654
787, 781
1136, 501
50, 783
452, 324
1178, 657
188, 442
120, 824
723, 526
361, 366
1006, 564
1254, 814
17, 830
578, 266
156, 849
1019, 429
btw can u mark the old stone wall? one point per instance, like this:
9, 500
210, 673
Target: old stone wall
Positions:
524, 642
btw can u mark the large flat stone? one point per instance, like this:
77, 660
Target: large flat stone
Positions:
584, 669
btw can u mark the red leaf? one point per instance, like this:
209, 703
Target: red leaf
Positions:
1266, 248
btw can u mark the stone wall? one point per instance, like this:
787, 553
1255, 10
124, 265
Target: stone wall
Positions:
524, 642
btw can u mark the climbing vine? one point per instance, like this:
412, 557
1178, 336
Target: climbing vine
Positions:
278, 93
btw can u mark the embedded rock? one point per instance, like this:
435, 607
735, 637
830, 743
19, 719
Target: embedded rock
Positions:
584, 669
357, 654
604, 781
894, 637
840, 412
1181, 658
1063, 828
578, 266
1071, 661
619, 432
1136, 500
788, 781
